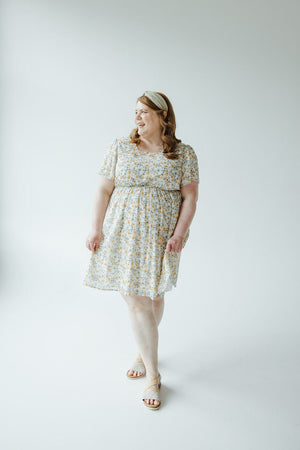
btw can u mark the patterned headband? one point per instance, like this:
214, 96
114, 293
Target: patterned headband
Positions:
157, 99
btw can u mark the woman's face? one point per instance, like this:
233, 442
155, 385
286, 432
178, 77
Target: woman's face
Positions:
146, 119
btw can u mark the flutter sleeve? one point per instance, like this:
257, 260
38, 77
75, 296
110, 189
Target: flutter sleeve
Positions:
108, 166
190, 167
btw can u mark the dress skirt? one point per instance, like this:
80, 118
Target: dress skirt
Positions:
131, 257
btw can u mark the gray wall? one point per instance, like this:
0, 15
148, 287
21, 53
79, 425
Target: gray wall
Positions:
71, 73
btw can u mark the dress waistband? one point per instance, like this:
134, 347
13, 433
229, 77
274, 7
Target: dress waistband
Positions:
145, 185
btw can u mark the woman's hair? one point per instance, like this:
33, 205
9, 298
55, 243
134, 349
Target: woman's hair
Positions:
167, 125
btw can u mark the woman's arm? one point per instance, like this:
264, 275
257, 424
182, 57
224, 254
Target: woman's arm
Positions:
102, 197
104, 190
189, 194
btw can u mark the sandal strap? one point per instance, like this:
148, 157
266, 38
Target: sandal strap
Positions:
139, 367
153, 383
150, 393
152, 389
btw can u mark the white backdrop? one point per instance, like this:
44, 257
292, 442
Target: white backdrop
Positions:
229, 339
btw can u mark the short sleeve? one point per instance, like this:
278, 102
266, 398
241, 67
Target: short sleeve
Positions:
190, 167
108, 166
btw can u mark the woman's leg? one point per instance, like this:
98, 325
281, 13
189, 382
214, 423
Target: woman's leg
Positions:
158, 305
158, 309
145, 330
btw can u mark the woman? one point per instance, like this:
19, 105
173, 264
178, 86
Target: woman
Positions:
144, 205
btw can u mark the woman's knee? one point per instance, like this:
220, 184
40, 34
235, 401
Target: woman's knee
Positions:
158, 299
138, 303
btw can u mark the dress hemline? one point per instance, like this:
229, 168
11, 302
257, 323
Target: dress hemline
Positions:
139, 292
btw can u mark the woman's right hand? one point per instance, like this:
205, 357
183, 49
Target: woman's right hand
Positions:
93, 240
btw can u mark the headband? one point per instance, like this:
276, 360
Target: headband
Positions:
157, 99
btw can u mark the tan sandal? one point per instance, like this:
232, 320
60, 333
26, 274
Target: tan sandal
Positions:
152, 392
137, 366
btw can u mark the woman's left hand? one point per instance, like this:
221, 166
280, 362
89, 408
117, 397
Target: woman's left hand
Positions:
174, 244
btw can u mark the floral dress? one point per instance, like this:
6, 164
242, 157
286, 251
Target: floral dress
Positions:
140, 219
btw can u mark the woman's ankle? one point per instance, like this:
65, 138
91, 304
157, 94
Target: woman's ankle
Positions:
151, 375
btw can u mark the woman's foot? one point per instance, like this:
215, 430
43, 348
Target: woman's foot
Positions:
151, 394
137, 369
150, 401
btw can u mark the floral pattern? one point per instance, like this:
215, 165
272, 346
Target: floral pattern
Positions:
140, 219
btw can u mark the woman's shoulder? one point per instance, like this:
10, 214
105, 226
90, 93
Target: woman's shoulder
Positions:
183, 148
124, 140
116, 143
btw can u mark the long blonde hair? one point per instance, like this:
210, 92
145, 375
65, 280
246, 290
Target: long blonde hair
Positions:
167, 125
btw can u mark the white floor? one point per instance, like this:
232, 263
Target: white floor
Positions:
64, 351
